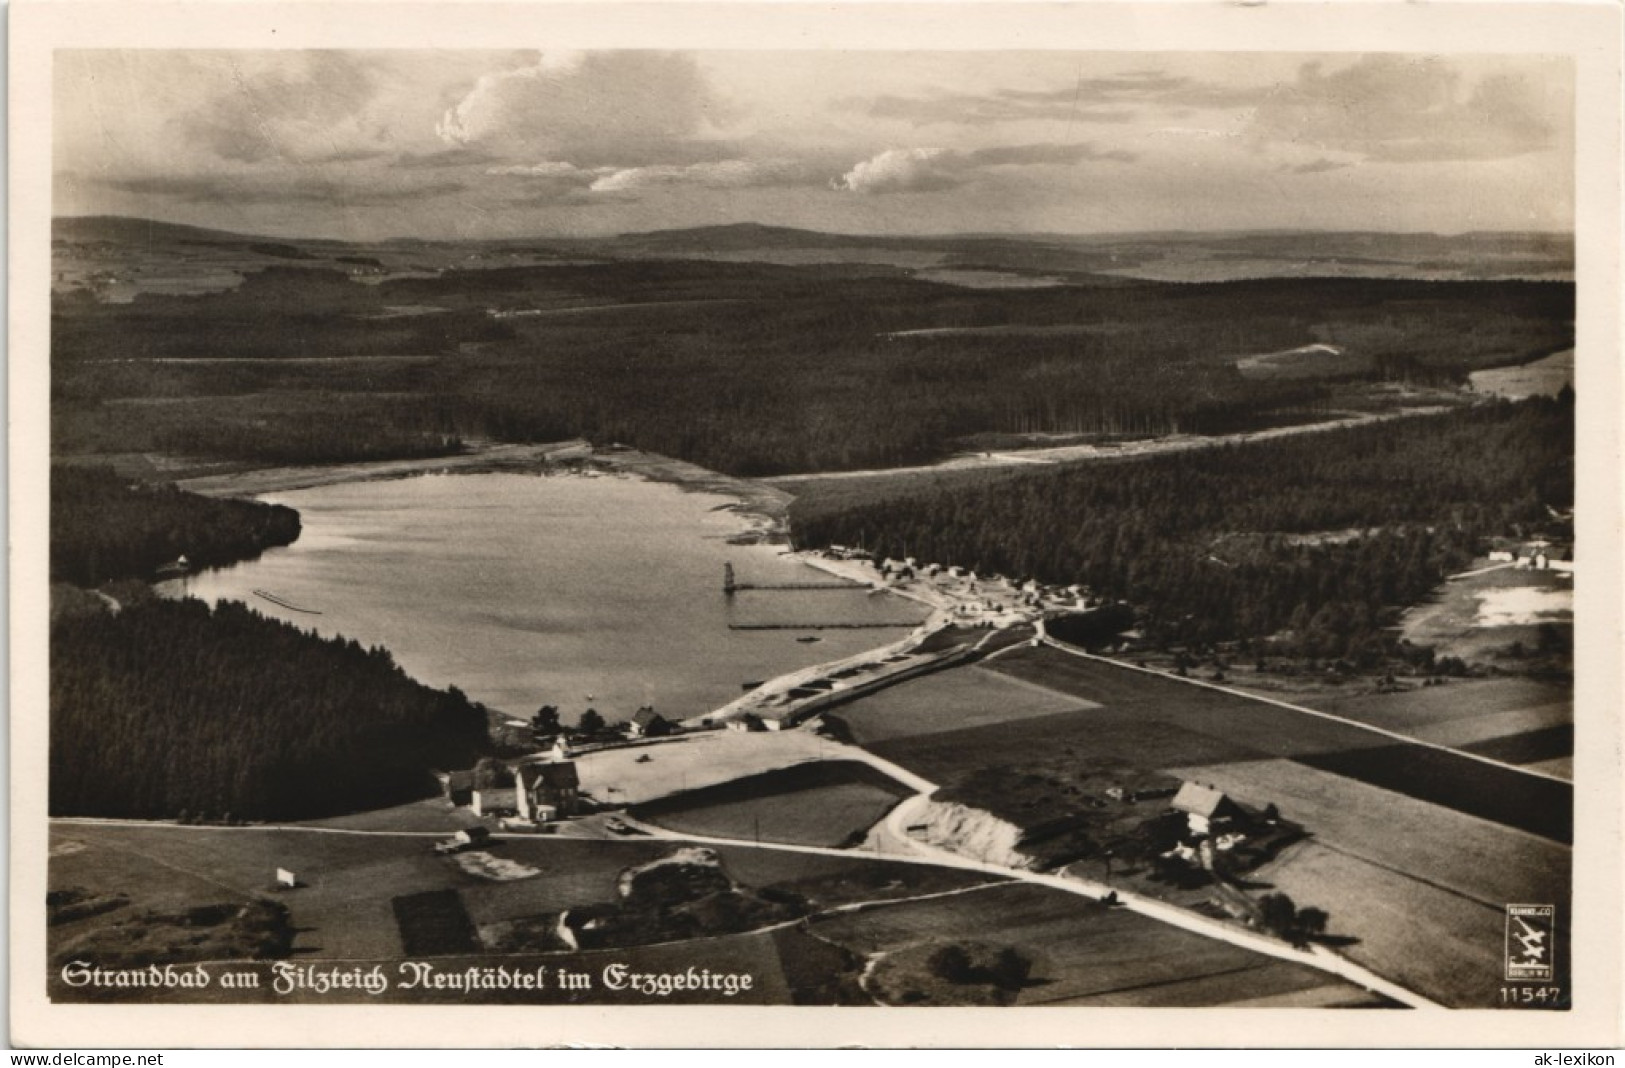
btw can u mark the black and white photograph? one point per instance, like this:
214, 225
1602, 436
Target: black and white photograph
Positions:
910, 527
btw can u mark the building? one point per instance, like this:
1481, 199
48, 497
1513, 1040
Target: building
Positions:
500, 801
647, 723
456, 786
179, 566
1205, 807
547, 785
750, 721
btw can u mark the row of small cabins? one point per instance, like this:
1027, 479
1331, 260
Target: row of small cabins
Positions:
1030, 593
1536, 556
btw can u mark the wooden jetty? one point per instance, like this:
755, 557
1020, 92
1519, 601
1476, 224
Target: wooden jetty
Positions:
274, 599
730, 585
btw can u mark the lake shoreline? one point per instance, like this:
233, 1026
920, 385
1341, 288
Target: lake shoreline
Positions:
764, 508
583, 573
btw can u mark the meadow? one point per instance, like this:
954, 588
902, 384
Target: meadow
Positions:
1083, 953
830, 803
1540, 806
954, 700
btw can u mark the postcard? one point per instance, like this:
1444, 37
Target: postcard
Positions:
786, 525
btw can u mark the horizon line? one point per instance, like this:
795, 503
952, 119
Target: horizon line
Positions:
1032, 235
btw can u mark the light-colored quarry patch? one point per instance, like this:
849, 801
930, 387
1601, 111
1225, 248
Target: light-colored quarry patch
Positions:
1522, 605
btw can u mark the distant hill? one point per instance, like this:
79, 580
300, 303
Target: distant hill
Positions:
743, 236
124, 230
1175, 256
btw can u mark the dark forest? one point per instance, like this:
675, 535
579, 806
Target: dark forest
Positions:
748, 369
106, 527
1322, 536
168, 709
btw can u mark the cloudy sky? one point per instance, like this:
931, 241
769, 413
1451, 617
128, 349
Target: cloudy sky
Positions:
485, 144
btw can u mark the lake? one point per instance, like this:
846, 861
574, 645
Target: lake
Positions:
565, 589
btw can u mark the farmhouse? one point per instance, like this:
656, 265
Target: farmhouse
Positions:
1205, 807
647, 723
553, 785
750, 721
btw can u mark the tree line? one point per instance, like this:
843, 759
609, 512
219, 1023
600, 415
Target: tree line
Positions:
104, 526
1315, 539
171, 709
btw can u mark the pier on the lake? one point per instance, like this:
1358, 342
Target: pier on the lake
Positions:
731, 585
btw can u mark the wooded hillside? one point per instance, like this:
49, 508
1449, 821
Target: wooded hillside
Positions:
106, 527
1320, 534
750, 369
168, 709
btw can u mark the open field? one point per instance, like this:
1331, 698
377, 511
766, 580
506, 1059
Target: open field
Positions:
343, 909
433, 923
1420, 830
368, 899
1475, 859
1117, 735
1472, 787
1083, 953
949, 700
1542, 377
1413, 882
825, 804
430, 814
1539, 806
1512, 719
1442, 713
1423, 937
1480, 616
1528, 748
694, 761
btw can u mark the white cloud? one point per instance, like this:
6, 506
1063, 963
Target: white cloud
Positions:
1408, 109
313, 107
537, 170
724, 174
904, 170
591, 108
925, 170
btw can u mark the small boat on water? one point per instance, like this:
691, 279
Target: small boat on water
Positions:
274, 599
809, 638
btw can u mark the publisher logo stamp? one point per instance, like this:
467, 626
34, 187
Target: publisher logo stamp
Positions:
1529, 942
